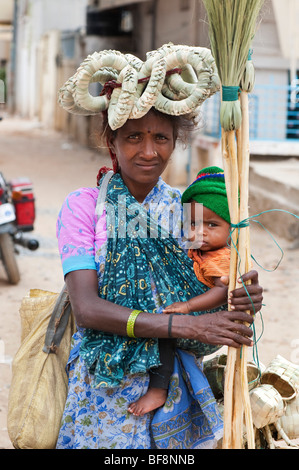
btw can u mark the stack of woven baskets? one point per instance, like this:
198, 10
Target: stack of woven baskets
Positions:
276, 400
274, 395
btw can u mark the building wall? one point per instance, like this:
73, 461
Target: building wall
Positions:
177, 21
6, 11
6, 34
36, 20
270, 95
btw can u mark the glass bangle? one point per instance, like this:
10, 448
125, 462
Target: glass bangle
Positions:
131, 323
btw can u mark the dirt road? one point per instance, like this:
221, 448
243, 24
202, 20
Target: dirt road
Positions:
57, 166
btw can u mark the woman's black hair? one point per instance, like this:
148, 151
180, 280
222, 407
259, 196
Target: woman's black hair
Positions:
182, 126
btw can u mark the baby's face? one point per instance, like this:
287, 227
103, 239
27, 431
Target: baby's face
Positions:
211, 232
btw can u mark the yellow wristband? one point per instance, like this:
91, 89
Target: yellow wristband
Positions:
131, 322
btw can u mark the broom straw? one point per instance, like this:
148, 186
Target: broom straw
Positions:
247, 84
231, 29
233, 410
229, 154
244, 257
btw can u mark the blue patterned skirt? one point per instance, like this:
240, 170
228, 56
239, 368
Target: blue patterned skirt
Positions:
97, 418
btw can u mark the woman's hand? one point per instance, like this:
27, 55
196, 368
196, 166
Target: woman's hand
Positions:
223, 328
238, 298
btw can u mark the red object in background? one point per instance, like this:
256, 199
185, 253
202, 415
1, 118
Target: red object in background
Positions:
23, 200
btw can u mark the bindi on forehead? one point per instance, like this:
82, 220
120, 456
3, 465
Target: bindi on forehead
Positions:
153, 130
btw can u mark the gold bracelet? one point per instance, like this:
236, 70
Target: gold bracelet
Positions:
131, 323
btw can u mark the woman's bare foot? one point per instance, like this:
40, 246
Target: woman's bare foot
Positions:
154, 398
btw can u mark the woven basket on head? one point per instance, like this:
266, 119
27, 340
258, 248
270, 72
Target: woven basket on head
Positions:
266, 405
284, 376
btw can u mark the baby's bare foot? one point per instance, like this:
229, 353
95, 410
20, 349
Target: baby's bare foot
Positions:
154, 398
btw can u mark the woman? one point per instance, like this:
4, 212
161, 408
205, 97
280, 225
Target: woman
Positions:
123, 264
98, 417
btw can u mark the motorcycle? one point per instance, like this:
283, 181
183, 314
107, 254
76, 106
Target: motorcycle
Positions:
17, 215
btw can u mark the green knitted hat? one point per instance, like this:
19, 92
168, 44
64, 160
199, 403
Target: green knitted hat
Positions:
209, 190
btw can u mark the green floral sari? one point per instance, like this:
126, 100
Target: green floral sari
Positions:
140, 254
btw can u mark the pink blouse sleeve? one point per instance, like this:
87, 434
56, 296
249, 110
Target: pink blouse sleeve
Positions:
78, 232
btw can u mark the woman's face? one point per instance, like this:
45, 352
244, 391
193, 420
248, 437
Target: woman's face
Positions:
143, 148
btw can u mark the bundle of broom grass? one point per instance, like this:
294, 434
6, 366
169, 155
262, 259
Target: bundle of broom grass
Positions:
232, 26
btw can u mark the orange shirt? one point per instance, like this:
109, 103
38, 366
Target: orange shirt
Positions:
210, 264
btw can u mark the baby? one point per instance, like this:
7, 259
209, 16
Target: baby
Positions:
211, 266
211, 260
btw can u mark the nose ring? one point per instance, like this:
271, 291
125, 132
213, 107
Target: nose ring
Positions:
155, 153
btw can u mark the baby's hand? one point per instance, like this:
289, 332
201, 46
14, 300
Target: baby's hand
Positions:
177, 307
224, 280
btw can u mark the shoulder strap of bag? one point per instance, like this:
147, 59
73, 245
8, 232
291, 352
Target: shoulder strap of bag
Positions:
58, 322
62, 309
102, 193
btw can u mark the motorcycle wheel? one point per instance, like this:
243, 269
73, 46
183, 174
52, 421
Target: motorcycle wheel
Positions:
9, 258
